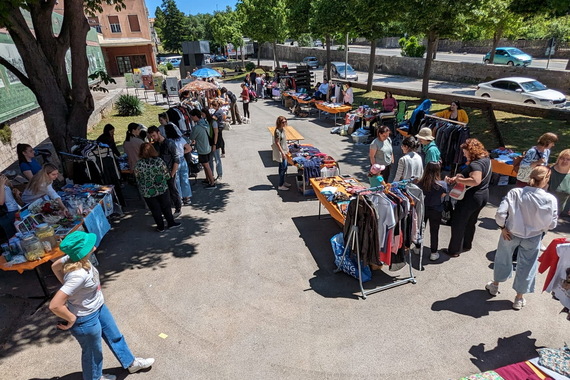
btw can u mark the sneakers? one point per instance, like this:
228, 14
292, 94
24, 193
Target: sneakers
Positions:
287, 184
140, 363
176, 213
211, 187
160, 229
519, 303
107, 376
283, 188
174, 225
434, 256
492, 288
186, 201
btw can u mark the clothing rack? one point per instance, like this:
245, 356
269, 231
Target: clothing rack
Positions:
353, 243
449, 145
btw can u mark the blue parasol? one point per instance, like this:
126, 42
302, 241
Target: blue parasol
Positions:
206, 73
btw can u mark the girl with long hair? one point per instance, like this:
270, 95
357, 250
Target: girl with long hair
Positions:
29, 166
133, 143
40, 186
434, 190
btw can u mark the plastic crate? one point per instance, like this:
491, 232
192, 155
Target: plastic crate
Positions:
359, 138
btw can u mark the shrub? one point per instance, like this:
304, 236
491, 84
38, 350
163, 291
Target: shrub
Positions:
411, 47
249, 66
129, 105
305, 40
169, 66
5, 133
163, 69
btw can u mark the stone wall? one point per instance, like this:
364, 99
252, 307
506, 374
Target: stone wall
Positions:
413, 67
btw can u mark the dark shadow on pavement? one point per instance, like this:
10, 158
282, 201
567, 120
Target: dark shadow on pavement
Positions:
316, 233
513, 349
267, 159
488, 224
210, 200
474, 303
119, 372
293, 194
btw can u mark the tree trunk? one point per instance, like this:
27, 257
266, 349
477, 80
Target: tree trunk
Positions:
275, 54
66, 107
259, 53
242, 53
568, 65
496, 37
371, 65
432, 37
328, 42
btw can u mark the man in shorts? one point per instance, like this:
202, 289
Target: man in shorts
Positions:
199, 134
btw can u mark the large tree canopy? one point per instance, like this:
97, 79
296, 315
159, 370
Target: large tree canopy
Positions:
66, 104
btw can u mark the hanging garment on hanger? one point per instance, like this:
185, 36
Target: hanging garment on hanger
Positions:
362, 213
549, 261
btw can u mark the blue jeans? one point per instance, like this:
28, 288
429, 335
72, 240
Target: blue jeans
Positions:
182, 181
527, 262
217, 154
282, 171
88, 331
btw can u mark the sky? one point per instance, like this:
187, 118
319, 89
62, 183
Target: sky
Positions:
193, 6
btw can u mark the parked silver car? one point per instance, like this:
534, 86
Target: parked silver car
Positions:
312, 62
338, 71
519, 89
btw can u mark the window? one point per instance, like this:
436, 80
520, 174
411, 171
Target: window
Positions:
114, 24
125, 64
502, 85
134, 23
94, 23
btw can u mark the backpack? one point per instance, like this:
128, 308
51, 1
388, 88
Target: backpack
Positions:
232, 97
211, 135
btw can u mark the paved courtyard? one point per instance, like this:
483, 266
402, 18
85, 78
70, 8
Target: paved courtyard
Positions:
245, 289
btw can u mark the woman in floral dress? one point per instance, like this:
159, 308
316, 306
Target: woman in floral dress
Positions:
152, 176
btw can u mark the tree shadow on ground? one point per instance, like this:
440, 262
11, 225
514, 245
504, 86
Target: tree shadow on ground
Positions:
474, 303
509, 350
316, 233
132, 244
210, 201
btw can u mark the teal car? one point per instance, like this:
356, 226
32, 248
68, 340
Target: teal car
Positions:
509, 56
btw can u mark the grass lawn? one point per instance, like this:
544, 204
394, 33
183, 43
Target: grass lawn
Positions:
519, 132
148, 118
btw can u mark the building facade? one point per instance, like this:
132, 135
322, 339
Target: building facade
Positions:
125, 37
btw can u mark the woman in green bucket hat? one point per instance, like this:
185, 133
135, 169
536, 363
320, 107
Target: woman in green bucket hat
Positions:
81, 304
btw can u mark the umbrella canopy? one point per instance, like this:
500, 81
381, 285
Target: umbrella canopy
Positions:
199, 85
206, 72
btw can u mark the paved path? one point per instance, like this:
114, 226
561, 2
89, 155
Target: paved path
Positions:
245, 289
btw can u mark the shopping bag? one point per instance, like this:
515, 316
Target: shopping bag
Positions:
447, 212
349, 266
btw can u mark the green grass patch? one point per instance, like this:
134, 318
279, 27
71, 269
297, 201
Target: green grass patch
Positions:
520, 132
149, 117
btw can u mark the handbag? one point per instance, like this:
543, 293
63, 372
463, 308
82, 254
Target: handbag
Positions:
447, 212
523, 174
458, 191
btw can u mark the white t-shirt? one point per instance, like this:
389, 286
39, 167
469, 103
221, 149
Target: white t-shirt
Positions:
349, 96
383, 155
84, 290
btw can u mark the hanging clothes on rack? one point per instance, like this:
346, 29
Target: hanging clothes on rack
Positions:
449, 135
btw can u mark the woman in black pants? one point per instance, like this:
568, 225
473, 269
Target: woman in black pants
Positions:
152, 178
434, 190
476, 176
245, 99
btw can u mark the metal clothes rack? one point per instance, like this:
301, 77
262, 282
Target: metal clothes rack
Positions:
353, 243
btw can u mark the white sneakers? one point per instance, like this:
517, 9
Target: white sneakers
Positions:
283, 188
287, 184
434, 256
519, 303
492, 288
139, 364
107, 376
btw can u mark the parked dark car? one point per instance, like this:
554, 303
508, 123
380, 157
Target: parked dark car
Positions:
220, 58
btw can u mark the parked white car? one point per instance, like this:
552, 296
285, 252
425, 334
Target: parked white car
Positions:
519, 89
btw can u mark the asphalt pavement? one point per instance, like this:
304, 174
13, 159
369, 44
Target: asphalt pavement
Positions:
246, 289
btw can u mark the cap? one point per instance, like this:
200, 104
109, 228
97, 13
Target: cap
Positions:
377, 169
78, 244
425, 134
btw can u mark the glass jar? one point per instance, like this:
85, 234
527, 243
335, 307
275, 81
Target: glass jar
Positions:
33, 248
46, 235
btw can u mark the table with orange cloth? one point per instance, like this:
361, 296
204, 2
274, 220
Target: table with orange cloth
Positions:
334, 110
502, 168
341, 184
